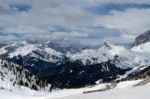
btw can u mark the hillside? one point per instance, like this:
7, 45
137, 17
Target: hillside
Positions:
14, 76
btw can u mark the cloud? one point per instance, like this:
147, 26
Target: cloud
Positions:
68, 35
8, 38
131, 21
24, 30
101, 2
6, 9
58, 19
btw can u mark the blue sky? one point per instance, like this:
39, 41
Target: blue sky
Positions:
21, 7
107, 8
85, 21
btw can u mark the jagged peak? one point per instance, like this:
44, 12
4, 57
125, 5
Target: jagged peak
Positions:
107, 45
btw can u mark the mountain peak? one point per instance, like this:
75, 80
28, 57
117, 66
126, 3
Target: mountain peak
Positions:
107, 44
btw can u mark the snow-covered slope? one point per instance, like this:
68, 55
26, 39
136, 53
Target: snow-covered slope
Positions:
143, 48
128, 93
13, 76
124, 90
125, 57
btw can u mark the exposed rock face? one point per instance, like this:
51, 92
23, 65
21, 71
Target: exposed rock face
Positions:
143, 38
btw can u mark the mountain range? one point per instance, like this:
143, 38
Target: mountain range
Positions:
67, 66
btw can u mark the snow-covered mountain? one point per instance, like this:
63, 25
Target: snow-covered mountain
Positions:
69, 67
57, 67
127, 58
37, 50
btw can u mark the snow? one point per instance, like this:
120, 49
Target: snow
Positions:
143, 48
128, 93
3, 50
9, 78
127, 57
6, 78
135, 57
124, 90
25, 48
127, 84
53, 52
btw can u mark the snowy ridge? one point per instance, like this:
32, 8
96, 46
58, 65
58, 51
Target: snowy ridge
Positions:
24, 48
126, 57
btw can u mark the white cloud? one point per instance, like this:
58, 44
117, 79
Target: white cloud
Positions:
101, 2
8, 38
46, 15
24, 29
68, 35
122, 39
131, 21
5, 9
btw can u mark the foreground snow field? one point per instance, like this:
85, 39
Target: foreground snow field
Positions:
124, 90
141, 92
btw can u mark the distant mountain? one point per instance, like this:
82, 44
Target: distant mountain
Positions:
64, 47
37, 50
143, 38
126, 57
35, 56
